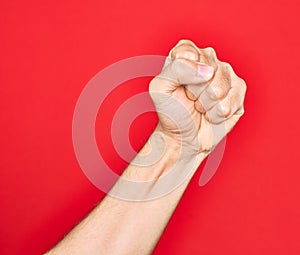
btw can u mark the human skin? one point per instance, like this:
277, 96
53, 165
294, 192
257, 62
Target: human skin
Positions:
198, 99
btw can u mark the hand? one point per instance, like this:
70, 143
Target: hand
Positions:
198, 98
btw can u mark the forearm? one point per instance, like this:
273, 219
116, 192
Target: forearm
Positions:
133, 215
118, 226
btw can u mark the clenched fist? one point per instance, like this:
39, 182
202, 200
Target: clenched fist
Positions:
198, 98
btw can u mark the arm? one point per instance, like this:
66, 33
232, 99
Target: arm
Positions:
192, 120
117, 226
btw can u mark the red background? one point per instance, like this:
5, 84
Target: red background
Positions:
49, 51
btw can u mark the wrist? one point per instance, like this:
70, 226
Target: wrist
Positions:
159, 168
160, 155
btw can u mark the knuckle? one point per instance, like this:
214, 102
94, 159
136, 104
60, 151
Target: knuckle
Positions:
242, 111
216, 92
227, 67
224, 84
226, 73
227, 70
211, 51
224, 109
184, 41
243, 85
225, 79
208, 56
186, 51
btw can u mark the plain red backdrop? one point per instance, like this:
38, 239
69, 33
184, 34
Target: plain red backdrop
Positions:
49, 51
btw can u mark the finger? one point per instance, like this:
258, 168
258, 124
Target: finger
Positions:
208, 57
186, 49
199, 107
204, 55
193, 91
217, 89
183, 45
231, 105
180, 72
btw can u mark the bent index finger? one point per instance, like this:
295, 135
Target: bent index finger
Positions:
183, 49
180, 72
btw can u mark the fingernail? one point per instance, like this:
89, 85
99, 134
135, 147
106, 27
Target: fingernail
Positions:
205, 71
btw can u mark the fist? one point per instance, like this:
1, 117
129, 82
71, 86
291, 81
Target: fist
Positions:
198, 98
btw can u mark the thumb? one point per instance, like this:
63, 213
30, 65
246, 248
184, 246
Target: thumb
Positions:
182, 71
